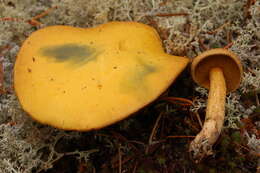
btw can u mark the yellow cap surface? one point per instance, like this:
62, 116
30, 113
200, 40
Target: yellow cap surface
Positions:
83, 79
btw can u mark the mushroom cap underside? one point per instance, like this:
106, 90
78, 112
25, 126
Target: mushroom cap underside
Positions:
222, 58
83, 79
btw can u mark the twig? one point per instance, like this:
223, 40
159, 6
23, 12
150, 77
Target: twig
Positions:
12, 123
247, 149
202, 45
164, 2
177, 100
32, 21
10, 19
3, 50
251, 71
241, 146
120, 137
228, 45
257, 99
82, 167
198, 117
171, 14
153, 132
154, 129
191, 124
119, 159
219, 28
1, 78
152, 22
181, 136
249, 3
126, 159
137, 142
135, 167
229, 36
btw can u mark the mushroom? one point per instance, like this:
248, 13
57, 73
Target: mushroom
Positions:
87, 78
220, 71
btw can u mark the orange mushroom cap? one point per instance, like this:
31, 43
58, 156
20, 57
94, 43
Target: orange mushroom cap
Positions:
222, 58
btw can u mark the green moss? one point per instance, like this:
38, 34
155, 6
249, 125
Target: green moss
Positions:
161, 160
257, 109
225, 143
236, 137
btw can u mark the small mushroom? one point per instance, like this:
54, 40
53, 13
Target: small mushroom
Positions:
220, 71
87, 78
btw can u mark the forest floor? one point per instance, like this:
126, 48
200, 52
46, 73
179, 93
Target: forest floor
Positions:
156, 139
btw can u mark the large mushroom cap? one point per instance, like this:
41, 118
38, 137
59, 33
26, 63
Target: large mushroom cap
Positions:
222, 58
83, 79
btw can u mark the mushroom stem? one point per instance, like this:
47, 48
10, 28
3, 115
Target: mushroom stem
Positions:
215, 112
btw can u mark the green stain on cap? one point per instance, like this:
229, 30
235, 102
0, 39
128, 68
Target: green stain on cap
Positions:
73, 52
135, 79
